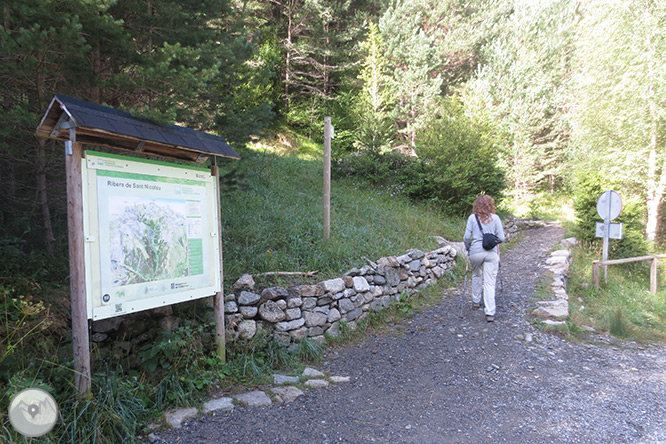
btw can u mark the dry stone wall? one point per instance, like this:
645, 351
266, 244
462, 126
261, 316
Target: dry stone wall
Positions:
315, 310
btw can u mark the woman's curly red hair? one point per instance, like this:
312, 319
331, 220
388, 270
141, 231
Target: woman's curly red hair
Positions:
484, 206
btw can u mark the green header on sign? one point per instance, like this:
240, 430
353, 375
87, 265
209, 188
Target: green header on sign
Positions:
138, 159
134, 176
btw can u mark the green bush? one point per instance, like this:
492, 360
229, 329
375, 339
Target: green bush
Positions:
372, 166
458, 160
590, 185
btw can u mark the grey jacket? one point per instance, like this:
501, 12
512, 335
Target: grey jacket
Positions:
474, 239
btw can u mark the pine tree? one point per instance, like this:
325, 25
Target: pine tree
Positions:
522, 82
620, 103
375, 129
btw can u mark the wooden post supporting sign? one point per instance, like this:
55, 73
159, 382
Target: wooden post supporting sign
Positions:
77, 265
218, 305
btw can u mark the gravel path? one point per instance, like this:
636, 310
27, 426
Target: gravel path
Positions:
442, 379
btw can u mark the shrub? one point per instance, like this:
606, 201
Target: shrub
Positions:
458, 160
590, 186
373, 167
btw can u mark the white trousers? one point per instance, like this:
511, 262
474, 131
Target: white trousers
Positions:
484, 275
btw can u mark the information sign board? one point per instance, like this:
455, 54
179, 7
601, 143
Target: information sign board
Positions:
151, 234
614, 230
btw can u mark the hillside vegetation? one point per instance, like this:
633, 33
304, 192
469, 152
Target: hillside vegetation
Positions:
272, 218
272, 215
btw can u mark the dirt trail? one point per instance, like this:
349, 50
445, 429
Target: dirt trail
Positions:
442, 379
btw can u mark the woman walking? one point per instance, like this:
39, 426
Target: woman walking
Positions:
485, 262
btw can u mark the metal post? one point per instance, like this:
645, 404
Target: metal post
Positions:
327, 177
605, 252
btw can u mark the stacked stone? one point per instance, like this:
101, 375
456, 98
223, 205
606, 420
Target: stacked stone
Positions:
510, 228
315, 310
555, 311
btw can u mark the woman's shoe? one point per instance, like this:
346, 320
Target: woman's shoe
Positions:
490, 318
476, 306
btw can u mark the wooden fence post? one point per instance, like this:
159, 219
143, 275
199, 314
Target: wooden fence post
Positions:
595, 274
653, 275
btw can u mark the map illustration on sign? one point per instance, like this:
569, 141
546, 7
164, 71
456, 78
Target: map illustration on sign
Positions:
148, 240
152, 234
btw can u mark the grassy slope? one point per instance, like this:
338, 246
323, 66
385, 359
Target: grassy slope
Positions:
273, 221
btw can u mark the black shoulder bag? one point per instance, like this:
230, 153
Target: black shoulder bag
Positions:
490, 240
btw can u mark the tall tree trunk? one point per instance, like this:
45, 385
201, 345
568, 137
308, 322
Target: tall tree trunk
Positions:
49, 238
655, 190
288, 47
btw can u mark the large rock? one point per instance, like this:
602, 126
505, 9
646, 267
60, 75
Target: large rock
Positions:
248, 298
175, 418
333, 315
109, 325
273, 293
248, 311
230, 307
247, 329
307, 291
355, 313
293, 313
291, 325
294, 301
283, 379
286, 394
218, 404
390, 261
170, 323
256, 398
361, 284
558, 309
315, 319
392, 277
569, 242
245, 282
271, 312
334, 330
299, 333
333, 285
310, 372
316, 383
414, 266
345, 305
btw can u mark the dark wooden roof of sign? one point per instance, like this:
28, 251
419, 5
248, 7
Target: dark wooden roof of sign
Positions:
103, 126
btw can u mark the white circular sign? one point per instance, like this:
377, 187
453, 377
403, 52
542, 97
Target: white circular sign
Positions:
33, 412
609, 205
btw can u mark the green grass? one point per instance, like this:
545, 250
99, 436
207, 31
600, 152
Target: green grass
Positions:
623, 306
541, 206
273, 221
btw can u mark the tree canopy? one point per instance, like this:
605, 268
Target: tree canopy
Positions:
561, 88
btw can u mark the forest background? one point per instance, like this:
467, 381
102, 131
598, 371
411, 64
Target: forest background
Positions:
436, 101
524, 96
